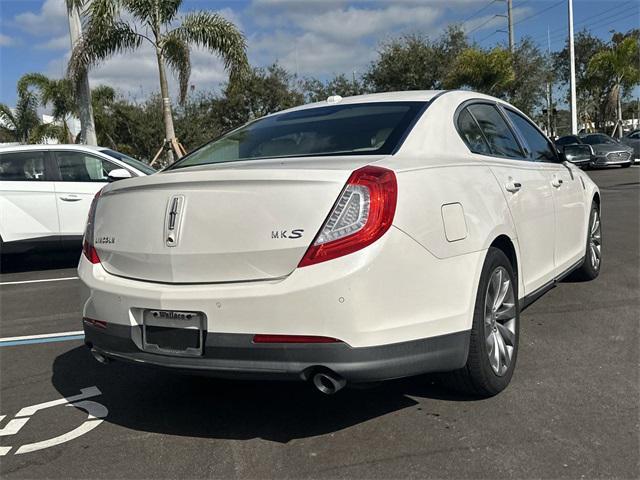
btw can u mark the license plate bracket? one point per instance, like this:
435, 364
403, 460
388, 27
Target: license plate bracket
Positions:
173, 332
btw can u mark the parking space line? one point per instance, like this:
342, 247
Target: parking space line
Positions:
43, 338
38, 281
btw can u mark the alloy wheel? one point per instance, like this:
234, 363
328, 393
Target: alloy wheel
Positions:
595, 240
500, 321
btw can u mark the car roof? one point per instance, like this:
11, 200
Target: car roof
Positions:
583, 135
409, 96
403, 96
56, 146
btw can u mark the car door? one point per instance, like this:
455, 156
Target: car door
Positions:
526, 188
27, 197
568, 193
633, 141
81, 175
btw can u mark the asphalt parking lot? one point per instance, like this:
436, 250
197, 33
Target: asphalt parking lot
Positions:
572, 410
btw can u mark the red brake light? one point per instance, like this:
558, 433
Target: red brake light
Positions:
363, 213
90, 252
87, 242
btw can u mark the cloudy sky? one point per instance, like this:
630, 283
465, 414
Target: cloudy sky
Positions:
319, 38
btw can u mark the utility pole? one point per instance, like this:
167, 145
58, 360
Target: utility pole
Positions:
512, 43
572, 60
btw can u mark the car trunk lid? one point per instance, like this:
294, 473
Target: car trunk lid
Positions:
246, 222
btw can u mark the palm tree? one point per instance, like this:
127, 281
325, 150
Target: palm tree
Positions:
82, 90
22, 124
154, 22
620, 64
57, 93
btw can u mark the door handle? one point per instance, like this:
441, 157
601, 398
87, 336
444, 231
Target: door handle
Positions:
512, 186
70, 198
556, 182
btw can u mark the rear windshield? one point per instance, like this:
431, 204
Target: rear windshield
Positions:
357, 129
567, 141
132, 162
597, 139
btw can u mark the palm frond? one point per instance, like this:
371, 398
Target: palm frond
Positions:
7, 117
38, 80
99, 43
218, 35
104, 12
103, 94
153, 11
79, 4
47, 130
176, 52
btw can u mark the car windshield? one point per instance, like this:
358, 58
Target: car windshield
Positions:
132, 162
355, 129
597, 139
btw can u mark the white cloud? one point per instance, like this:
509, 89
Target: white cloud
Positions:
329, 37
6, 41
357, 23
61, 42
50, 20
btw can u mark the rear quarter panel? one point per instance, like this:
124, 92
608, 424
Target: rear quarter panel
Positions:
434, 168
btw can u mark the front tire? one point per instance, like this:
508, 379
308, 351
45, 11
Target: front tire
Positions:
493, 346
590, 269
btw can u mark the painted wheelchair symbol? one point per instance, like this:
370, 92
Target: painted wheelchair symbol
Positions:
96, 413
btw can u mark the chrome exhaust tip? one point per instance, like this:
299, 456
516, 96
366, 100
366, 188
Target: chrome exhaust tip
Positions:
99, 357
328, 383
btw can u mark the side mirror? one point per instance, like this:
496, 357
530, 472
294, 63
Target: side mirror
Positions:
118, 174
577, 153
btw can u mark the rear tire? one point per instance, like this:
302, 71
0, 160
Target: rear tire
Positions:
493, 346
590, 269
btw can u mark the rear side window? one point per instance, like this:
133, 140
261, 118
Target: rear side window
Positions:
540, 148
350, 129
570, 140
22, 166
500, 137
471, 134
83, 167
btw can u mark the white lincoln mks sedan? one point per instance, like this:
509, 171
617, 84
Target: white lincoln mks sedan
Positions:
353, 240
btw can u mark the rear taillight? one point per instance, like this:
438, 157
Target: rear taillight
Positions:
363, 213
88, 247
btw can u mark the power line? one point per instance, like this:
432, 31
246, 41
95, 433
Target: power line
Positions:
481, 25
540, 12
558, 34
488, 36
479, 11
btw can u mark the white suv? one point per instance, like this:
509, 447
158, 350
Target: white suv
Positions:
46, 191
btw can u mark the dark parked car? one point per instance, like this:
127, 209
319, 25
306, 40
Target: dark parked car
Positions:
633, 140
605, 150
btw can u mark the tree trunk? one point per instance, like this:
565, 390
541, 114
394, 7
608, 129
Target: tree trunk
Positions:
619, 105
166, 104
83, 93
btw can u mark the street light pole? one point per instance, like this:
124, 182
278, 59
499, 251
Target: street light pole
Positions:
572, 60
512, 42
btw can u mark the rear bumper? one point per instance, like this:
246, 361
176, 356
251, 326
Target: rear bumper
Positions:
236, 356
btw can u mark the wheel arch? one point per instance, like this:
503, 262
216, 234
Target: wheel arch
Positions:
504, 243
